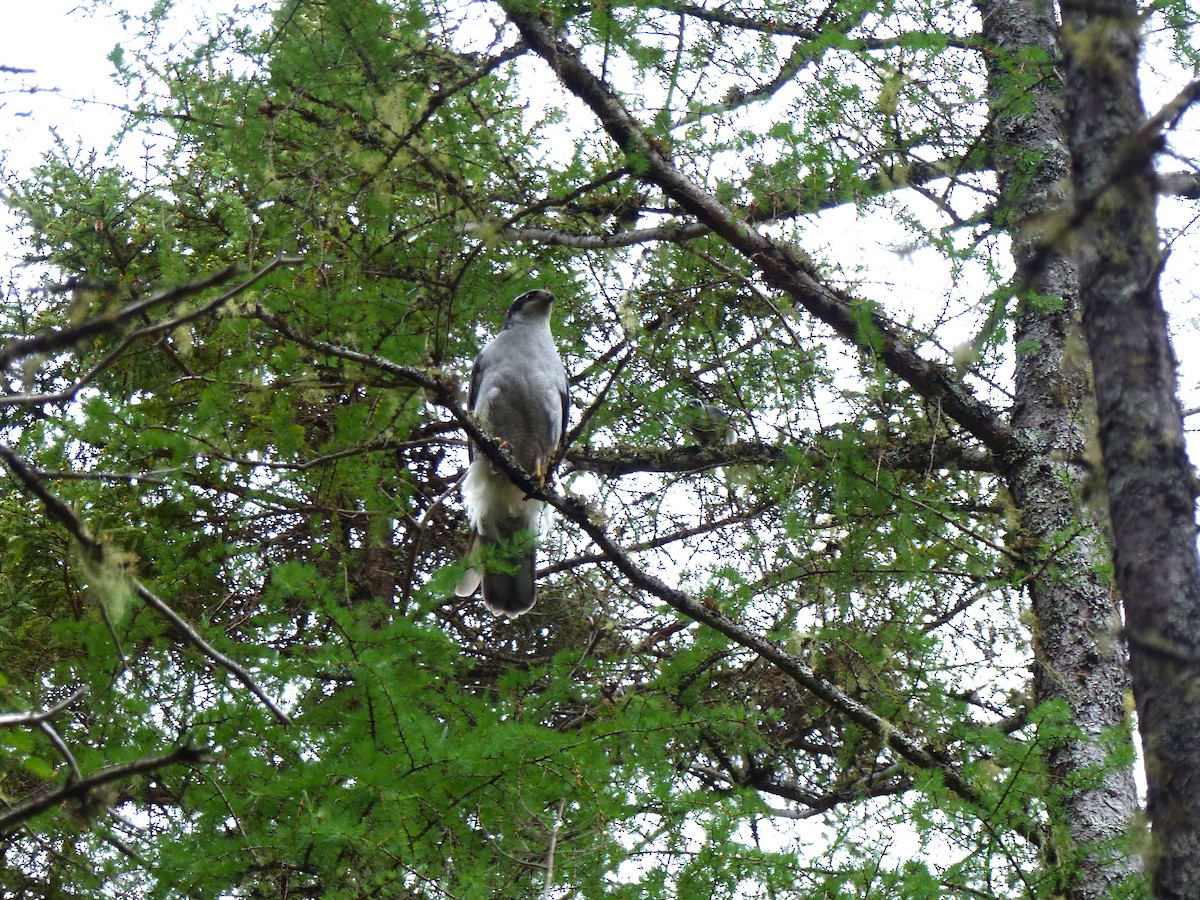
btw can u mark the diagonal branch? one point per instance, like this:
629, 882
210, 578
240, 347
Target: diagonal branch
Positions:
53, 339
60, 338
912, 751
857, 322
809, 199
1131, 159
97, 551
186, 755
444, 392
61, 746
16, 720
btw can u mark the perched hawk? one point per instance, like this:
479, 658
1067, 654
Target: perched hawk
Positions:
519, 396
709, 424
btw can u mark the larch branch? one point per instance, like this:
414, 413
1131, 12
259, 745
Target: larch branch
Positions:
186, 755
445, 393
857, 322
96, 550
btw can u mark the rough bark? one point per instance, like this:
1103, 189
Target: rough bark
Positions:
1078, 658
1149, 479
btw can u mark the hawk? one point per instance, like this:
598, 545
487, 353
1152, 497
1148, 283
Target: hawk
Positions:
709, 424
519, 396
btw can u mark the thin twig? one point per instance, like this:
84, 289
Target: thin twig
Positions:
61, 746
595, 405
120, 846
193, 637
419, 534
672, 232
558, 814
155, 477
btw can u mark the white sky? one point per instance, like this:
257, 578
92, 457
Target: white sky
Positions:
67, 49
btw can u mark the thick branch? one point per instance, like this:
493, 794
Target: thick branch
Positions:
619, 461
186, 755
1150, 480
857, 322
1130, 160
1180, 184
671, 232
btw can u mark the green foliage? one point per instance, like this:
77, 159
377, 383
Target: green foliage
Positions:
299, 508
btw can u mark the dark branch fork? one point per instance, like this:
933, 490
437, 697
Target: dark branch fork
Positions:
79, 789
78, 786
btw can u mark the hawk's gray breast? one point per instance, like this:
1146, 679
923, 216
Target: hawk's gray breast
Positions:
519, 396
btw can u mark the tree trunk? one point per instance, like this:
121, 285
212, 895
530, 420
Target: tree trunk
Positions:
1078, 658
1150, 484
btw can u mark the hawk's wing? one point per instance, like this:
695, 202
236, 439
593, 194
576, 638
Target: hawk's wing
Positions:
472, 396
565, 395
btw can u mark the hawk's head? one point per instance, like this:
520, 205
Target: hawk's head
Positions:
530, 308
